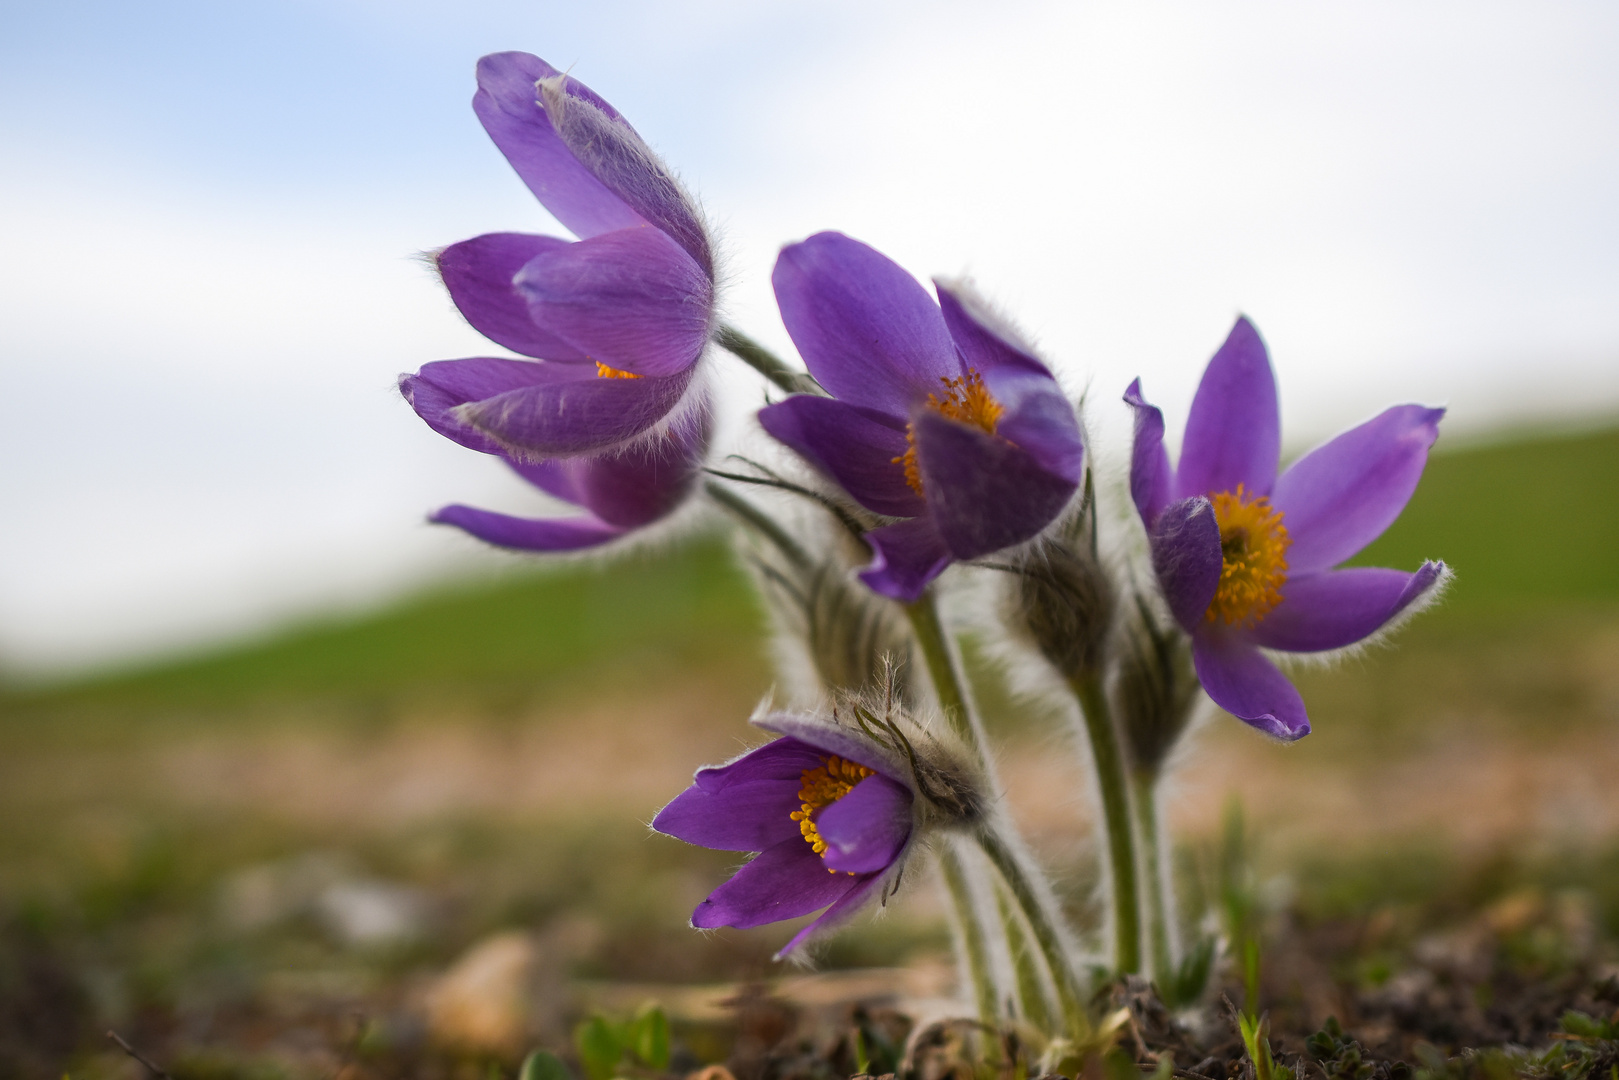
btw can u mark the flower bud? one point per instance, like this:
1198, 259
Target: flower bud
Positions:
1154, 688
1062, 599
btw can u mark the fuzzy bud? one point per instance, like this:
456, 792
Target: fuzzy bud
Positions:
1154, 688
1062, 598
854, 639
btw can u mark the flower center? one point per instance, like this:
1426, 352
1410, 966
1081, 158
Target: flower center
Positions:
605, 372
822, 787
1253, 557
966, 400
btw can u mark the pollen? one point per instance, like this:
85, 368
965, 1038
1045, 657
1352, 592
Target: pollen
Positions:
1253, 558
821, 787
605, 372
966, 400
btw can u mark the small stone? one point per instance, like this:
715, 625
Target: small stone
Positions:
482, 1001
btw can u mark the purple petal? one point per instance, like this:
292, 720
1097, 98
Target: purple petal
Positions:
1336, 608
479, 274
1234, 432
528, 534
853, 446
864, 889
1038, 418
508, 105
1340, 497
907, 556
573, 412
629, 299
611, 150
1149, 462
833, 738
783, 882
867, 330
985, 344
1186, 557
746, 804
441, 387
1248, 686
866, 829
558, 477
983, 492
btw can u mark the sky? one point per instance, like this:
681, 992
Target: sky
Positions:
213, 212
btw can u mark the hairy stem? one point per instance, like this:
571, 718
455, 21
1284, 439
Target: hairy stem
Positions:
1154, 886
1042, 924
764, 361
757, 520
947, 682
970, 931
1111, 783
1026, 965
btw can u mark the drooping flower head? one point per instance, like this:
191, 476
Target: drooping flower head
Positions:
938, 414
621, 491
1245, 558
617, 320
832, 812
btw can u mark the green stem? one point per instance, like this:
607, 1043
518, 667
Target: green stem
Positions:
758, 520
764, 361
1031, 989
1042, 925
1154, 891
1111, 783
947, 682
974, 948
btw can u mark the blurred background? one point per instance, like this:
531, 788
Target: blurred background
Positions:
275, 755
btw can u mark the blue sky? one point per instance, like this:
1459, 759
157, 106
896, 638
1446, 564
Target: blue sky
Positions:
212, 209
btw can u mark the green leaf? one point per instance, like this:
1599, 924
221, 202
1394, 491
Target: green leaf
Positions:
649, 1037
600, 1047
543, 1065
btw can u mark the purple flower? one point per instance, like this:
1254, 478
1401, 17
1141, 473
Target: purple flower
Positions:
938, 415
1245, 558
621, 491
830, 813
617, 319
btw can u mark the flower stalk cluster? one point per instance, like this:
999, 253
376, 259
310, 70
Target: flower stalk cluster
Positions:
922, 444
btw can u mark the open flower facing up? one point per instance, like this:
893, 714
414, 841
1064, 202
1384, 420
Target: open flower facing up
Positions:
938, 415
1245, 557
616, 320
832, 813
621, 492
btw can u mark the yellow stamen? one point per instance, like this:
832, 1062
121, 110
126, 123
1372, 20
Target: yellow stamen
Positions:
821, 788
966, 400
605, 372
1253, 557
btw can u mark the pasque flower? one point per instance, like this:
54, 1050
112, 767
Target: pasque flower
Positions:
616, 320
939, 416
1245, 558
832, 813
620, 492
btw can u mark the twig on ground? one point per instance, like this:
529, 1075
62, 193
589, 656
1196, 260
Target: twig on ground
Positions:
162, 1074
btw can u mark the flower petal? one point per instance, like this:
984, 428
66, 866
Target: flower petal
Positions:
864, 889
479, 274
1150, 476
1039, 419
605, 144
983, 492
907, 556
528, 534
508, 105
831, 737
853, 446
1234, 432
1340, 497
866, 829
986, 345
630, 299
573, 411
441, 387
745, 804
867, 330
1185, 542
1248, 686
785, 881
1336, 608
